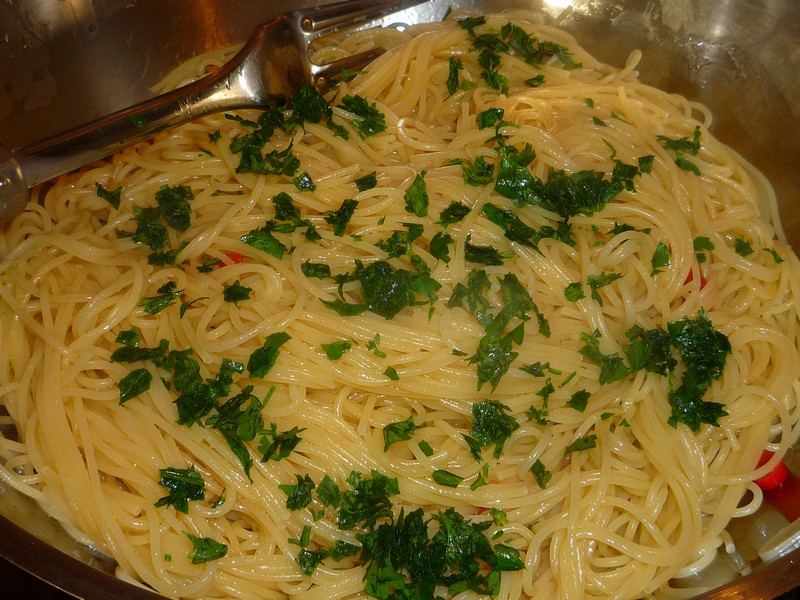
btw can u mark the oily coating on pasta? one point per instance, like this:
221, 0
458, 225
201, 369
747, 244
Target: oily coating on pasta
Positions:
324, 317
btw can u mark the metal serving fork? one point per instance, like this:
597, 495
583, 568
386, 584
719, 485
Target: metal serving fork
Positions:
274, 61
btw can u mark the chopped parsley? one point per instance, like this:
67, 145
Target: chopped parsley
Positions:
205, 549
399, 431
182, 486
446, 478
582, 443
167, 294
454, 213
660, 258
236, 292
416, 196
367, 119
367, 182
134, 383
491, 425
341, 216
335, 350
113, 197
542, 475
263, 359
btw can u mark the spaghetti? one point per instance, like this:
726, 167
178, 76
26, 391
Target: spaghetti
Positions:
461, 298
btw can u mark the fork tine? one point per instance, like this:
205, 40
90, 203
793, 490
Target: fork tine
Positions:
352, 14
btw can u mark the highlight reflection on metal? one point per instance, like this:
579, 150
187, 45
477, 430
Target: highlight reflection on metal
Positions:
65, 63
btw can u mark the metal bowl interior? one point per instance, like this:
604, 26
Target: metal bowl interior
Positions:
65, 63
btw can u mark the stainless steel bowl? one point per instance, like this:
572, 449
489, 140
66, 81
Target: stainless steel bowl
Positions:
65, 62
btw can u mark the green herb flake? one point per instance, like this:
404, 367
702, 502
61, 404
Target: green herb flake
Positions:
113, 197
182, 486
542, 475
660, 259
399, 431
391, 373
167, 294
367, 120
298, 495
341, 216
277, 445
416, 196
263, 359
579, 400
316, 270
446, 478
236, 292
574, 291
491, 425
367, 182
134, 383
454, 213
205, 549
583, 443
743, 247
335, 350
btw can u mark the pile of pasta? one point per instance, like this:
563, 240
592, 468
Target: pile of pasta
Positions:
491, 317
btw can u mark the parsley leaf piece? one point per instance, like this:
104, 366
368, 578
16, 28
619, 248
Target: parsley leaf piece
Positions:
602, 279
335, 350
683, 144
167, 294
491, 117
368, 119
113, 197
275, 445
173, 203
309, 560
182, 485
775, 256
650, 350
454, 65
583, 443
416, 196
399, 431
298, 495
263, 359
341, 216
491, 425
612, 367
236, 292
541, 474
391, 373
205, 549
579, 400
446, 478
574, 291
701, 245
474, 295
743, 247
304, 183
367, 182
484, 255
149, 229
262, 239
454, 213
385, 290
660, 258
513, 227
317, 270
440, 246
367, 500
477, 173
134, 383
328, 492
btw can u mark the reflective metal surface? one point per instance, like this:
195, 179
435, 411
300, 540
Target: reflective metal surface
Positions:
65, 62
